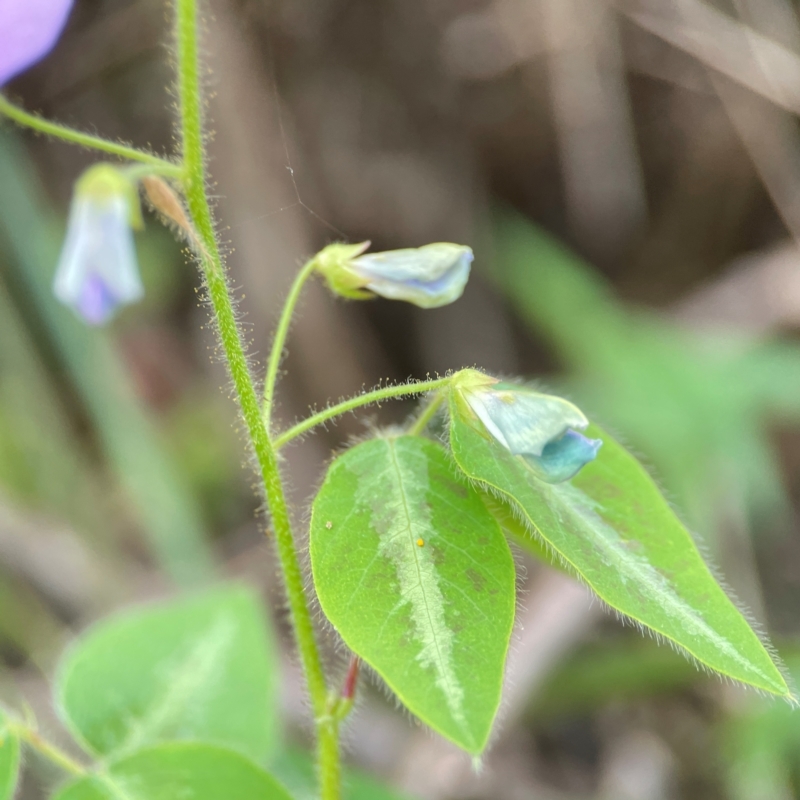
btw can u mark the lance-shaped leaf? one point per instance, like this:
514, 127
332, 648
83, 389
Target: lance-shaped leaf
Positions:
612, 527
9, 759
178, 770
417, 578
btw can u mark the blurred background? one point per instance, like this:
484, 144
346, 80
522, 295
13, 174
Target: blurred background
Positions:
628, 173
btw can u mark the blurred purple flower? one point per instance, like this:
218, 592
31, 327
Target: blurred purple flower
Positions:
28, 31
97, 271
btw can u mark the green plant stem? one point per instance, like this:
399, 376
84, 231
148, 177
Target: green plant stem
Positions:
281, 332
232, 344
376, 396
48, 750
167, 170
329, 759
428, 413
67, 134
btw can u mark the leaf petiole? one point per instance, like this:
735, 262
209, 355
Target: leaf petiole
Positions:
136, 172
30, 736
375, 396
428, 413
67, 134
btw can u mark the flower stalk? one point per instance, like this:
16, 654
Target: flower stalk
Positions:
428, 413
161, 166
281, 333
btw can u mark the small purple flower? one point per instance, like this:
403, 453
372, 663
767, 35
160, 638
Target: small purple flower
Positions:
430, 276
97, 270
28, 31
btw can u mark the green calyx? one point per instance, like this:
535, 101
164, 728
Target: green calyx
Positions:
466, 380
333, 263
105, 183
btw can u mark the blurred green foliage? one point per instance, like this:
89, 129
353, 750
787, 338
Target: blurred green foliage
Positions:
202, 668
699, 407
179, 699
761, 745
178, 769
9, 760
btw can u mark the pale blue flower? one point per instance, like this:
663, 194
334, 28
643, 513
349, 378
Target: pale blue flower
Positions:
430, 276
97, 271
542, 429
28, 31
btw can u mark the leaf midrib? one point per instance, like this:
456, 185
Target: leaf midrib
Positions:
440, 661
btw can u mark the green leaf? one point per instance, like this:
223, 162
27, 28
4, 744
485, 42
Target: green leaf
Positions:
9, 759
518, 531
416, 576
197, 668
612, 526
178, 770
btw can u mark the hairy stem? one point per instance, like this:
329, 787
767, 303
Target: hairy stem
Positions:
281, 332
166, 170
233, 347
329, 759
67, 134
375, 396
428, 413
52, 753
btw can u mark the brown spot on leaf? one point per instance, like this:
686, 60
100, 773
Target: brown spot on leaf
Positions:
477, 580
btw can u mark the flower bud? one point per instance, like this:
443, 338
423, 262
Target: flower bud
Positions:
542, 429
97, 270
429, 276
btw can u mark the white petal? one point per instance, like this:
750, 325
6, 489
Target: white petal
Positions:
97, 269
424, 264
527, 420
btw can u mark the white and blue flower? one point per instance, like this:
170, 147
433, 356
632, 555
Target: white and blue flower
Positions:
430, 276
544, 430
97, 271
